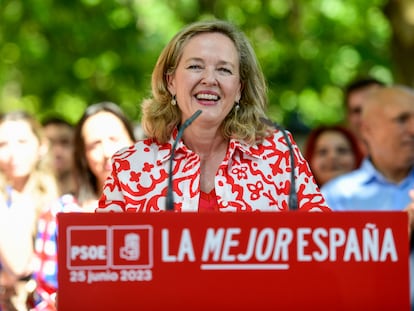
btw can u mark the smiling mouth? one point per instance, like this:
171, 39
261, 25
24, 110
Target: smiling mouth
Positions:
208, 97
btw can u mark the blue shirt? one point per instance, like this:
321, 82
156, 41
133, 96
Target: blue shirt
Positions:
367, 189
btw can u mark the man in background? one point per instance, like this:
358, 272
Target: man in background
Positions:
60, 135
355, 96
385, 179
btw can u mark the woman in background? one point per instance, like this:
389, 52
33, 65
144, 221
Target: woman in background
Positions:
101, 131
26, 187
331, 151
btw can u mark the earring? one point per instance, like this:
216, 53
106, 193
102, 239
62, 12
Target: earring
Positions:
237, 106
173, 101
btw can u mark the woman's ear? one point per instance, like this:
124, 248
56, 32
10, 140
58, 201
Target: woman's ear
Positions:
171, 83
239, 93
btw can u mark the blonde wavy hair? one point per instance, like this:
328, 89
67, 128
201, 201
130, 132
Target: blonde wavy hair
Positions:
41, 184
160, 117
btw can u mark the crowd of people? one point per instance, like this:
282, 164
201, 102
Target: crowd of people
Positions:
47, 168
381, 118
205, 123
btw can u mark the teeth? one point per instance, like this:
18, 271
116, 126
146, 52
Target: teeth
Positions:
207, 96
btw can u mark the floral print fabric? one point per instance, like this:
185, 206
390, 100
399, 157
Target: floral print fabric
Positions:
250, 178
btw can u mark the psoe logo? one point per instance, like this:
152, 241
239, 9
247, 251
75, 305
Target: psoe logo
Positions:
132, 247
110, 247
130, 250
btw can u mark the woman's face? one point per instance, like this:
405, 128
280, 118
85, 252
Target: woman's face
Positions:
19, 149
103, 134
333, 156
207, 78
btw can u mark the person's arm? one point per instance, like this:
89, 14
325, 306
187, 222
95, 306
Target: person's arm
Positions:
410, 210
16, 239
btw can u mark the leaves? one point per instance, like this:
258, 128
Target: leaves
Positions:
64, 55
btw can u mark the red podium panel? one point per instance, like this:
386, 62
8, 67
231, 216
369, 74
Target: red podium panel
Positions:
233, 261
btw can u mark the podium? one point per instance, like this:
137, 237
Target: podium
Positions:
233, 261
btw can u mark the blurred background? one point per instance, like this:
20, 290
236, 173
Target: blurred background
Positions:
63, 55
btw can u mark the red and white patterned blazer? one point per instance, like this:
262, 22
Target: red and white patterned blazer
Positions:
250, 178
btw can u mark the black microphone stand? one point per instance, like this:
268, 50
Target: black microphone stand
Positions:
170, 199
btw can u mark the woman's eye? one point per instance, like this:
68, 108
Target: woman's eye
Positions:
194, 67
321, 152
226, 70
343, 150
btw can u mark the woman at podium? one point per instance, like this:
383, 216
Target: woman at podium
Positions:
209, 145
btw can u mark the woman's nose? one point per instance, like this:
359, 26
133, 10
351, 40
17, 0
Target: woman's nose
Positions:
209, 76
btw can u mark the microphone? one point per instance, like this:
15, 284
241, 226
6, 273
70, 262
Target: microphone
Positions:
170, 199
293, 198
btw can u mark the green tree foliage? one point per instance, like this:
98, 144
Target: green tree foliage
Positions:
60, 56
